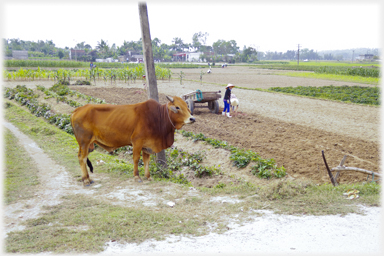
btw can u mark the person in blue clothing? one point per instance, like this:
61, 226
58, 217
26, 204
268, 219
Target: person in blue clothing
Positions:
227, 100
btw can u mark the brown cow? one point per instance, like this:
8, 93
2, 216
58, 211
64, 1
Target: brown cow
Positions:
147, 126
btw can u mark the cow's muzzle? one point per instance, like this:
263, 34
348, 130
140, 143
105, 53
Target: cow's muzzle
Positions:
192, 119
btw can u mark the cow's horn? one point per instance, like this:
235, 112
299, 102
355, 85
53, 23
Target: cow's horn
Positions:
169, 98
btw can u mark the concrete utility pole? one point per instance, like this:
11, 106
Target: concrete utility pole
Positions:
149, 64
298, 54
353, 54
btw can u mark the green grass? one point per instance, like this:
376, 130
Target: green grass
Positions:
20, 178
333, 77
335, 63
361, 70
83, 224
353, 94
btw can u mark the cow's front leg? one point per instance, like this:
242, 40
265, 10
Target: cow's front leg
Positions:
136, 158
146, 158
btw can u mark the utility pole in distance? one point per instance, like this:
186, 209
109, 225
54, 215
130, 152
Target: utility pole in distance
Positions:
149, 65
353, 54
298, 54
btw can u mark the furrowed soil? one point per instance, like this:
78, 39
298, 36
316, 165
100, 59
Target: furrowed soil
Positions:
290, 129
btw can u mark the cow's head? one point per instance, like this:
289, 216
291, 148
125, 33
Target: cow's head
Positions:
179, 112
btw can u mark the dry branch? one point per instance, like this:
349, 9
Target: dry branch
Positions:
341, 167
344, 168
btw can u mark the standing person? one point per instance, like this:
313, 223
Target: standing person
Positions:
91, 65
227, 100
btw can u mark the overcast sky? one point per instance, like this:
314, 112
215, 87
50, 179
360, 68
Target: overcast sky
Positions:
266, 25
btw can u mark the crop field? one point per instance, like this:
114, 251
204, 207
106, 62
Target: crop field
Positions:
354, 94
267, 156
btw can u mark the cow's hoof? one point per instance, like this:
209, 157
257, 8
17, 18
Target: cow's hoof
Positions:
138, 179
149, 179
88, 182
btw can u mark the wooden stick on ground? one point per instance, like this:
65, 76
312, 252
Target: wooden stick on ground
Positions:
333, 180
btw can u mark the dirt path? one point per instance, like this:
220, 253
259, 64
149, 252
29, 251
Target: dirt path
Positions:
54, 183
277, 234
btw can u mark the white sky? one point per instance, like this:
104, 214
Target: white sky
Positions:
266, 25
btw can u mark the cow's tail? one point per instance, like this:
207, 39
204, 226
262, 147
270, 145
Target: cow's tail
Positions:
89, 165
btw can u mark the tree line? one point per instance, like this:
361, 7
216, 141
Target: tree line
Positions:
307, 54
221, 50
218, 51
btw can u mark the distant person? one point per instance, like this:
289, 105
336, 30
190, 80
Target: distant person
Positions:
227, 100
91, 65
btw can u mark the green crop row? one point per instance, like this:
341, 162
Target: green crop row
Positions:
264, 168
354, 94
27, 98
364, 71
81, 64
127, 73
44, 63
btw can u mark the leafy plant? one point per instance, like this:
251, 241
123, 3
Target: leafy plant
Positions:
241, 158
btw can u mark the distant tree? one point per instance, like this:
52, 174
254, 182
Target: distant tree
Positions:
156, 42
199, 39
60, 54
80, 46
178, 45
328, 56
225, 47
103, 48
249, 54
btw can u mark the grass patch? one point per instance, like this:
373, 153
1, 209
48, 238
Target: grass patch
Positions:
353, 94
82, 224
20, 178
334, 77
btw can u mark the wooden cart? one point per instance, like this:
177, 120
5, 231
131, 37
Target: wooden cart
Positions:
198, 98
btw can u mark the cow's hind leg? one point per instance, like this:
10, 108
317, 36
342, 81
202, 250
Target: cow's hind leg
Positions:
83, 158
146, 158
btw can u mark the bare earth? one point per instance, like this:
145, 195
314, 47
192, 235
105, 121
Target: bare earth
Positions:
292, 130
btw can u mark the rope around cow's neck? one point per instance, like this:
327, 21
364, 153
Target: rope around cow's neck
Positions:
170, 117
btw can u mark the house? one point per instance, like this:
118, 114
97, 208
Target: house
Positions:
187, 56
137, 58
75, 54
20, 55
365, 57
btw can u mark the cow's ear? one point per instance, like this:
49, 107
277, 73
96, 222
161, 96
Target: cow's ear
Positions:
169, 98
174, 109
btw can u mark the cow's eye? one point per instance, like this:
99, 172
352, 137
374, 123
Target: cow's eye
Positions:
177, 108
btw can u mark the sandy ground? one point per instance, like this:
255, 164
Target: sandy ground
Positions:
276, 234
